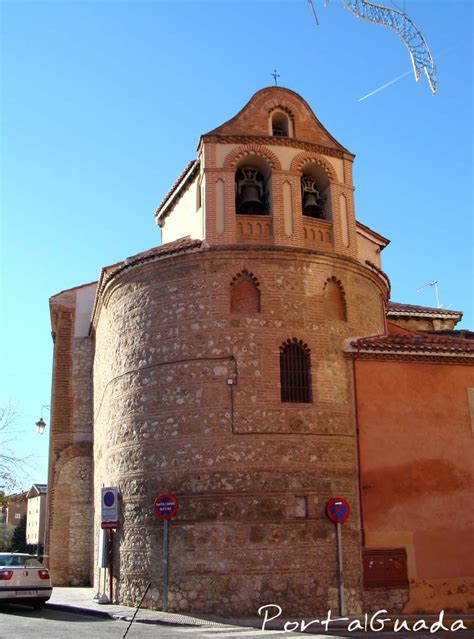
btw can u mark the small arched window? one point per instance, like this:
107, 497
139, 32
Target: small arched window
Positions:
280, 124
295, 372
244, 294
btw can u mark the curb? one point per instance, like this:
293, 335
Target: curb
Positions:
117, 616
78, 610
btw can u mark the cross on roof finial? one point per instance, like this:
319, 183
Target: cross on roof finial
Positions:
275, 76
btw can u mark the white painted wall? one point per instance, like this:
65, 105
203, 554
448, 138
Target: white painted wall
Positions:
85, 297
184, 219
368, 250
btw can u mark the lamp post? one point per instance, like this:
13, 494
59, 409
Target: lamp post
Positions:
40, 428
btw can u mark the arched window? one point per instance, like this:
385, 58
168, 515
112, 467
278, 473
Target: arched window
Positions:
295, 372
280, 124
244, 293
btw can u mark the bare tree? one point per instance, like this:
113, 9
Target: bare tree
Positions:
10, 464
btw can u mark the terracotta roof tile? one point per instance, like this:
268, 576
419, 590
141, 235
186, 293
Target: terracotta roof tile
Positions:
395, 308
191, 166
177, 246
448, 342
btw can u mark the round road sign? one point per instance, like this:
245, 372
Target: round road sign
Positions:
165, 506
109, 499
338, 510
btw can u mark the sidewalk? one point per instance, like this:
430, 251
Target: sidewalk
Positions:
81, 601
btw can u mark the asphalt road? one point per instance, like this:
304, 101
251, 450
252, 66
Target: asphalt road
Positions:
21, 622
18, 622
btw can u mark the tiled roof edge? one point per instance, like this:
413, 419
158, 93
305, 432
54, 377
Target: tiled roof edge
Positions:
186, 176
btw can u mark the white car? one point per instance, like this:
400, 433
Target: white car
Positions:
23, 579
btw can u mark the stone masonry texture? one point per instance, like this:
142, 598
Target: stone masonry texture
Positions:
167, 419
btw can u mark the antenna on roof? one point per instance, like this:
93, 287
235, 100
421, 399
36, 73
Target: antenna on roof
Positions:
433, 284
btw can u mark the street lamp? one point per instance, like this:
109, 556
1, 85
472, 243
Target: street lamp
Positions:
41, 424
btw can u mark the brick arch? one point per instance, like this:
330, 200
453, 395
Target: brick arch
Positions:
247, 274
252, 149
280, 106
297, 342
335, 305
244, 293
306, 157
71, 526
82, 449
286, 100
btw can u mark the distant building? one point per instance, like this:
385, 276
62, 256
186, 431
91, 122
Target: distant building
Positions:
16, 508
36, 514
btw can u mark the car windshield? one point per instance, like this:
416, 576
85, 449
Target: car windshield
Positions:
19, 560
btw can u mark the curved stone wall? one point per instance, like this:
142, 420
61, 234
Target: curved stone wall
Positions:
252, 474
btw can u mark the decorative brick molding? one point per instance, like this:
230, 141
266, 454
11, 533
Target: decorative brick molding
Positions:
244, 293
245, 274
252, 149
306, 158
311, 147
338, 303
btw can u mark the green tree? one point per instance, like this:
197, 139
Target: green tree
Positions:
18, 542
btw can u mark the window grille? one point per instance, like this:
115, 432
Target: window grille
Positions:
295, 372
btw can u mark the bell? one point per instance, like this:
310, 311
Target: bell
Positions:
311, 208
250, 202
250, 189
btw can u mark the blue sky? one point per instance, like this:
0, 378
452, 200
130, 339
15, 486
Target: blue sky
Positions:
102, 105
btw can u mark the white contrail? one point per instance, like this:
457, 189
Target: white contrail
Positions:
384, 86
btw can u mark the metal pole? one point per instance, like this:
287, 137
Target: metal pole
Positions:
111, 564
165, 565
342, 602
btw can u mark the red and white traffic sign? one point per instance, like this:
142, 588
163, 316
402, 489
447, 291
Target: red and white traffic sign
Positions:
338, 510
165, 506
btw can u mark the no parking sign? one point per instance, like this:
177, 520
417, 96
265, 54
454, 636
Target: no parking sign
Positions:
338, 510
109, 507
165, 506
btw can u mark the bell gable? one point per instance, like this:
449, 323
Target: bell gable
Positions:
278, 113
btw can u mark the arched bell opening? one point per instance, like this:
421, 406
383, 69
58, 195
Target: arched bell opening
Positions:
315, 192
253, 187
281, 125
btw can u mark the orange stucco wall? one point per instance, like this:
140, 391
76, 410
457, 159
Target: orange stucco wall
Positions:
417, 474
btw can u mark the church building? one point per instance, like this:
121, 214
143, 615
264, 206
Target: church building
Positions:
254, 366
